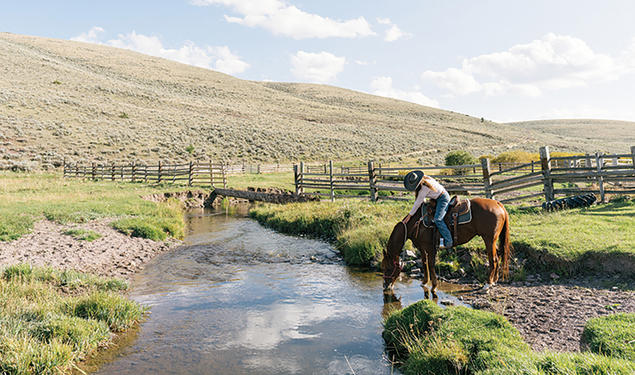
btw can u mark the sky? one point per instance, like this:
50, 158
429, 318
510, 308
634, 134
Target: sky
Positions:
504, 60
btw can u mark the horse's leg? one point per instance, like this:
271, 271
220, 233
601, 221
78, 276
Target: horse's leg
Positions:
490, 247
432, 254
424, 265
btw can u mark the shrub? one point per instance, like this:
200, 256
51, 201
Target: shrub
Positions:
189, 149
516, 156
459, 158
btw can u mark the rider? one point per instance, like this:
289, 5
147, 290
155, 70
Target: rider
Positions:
425, 186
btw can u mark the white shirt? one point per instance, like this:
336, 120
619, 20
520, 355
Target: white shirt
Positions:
426, 192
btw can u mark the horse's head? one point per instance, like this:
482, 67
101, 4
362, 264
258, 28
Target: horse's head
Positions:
390, 264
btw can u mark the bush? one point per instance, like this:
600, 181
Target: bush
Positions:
515, 157
459, 158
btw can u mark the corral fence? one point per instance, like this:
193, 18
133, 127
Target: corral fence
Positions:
192, 173
545, 178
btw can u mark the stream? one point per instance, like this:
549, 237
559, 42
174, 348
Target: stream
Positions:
239, 298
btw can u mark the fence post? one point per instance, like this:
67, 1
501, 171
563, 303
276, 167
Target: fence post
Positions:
211, 173
64, 167
633, 155
545, 164
92, 171
301, 175
599, 161
159, 173
134, 171
372, 181
331, 180
222, 169
296, 179
487, 179
112, 172
145, 172
189, 174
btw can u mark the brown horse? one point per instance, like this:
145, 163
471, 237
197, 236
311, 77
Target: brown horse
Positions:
490, 220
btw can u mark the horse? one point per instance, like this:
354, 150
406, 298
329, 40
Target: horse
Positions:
490, 220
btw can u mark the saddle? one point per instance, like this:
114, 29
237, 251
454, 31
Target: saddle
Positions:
459, 212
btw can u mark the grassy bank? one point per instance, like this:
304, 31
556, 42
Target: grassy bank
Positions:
50, 320
27, 198
611, 335
596, 239
427, 339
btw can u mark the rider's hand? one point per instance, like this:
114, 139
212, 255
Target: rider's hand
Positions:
406, 219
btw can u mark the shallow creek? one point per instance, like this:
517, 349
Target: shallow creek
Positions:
239, 298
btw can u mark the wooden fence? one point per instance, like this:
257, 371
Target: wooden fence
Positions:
192, 173
550, 176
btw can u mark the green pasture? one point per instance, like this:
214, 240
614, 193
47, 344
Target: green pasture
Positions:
27, 198
427, 339
50, 320
596, 239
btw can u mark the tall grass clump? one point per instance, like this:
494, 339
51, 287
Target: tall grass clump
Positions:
51, 319
612, 335
428, 339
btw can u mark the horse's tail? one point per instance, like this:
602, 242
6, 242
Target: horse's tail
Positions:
503, 243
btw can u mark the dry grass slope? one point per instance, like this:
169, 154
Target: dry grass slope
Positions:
63, 99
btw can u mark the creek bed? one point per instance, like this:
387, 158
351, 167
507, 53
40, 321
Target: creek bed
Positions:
239, 298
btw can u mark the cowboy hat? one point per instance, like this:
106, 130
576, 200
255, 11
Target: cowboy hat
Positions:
412, 180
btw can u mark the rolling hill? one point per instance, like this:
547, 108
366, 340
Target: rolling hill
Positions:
62, 99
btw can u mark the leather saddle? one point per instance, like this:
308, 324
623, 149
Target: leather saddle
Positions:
459, 212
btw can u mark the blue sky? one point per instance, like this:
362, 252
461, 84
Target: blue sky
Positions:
500, 59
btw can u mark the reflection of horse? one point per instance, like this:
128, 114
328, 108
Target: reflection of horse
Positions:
490, 220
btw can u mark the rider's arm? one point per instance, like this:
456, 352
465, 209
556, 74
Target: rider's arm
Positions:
423, 193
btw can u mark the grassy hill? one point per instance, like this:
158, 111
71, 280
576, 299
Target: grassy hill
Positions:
620, 134
62, 99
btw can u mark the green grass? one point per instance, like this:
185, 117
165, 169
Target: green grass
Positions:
571, 242
612, 335
358, 229
427, 339
27, 198
83, 234
51, 319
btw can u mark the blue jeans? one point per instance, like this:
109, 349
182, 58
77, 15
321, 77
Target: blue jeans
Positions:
442, 209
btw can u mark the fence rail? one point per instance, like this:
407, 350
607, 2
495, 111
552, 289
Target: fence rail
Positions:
192, 173
507, 182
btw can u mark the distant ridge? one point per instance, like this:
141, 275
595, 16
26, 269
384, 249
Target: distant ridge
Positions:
63, 99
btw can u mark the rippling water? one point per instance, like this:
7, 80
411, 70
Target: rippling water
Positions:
242, 299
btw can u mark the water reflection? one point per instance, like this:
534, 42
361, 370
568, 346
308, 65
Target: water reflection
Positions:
243, 299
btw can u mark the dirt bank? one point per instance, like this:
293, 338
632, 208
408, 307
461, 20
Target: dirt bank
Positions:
552, 315
114, 254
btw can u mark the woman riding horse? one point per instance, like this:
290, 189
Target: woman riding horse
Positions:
427, 187
490, 221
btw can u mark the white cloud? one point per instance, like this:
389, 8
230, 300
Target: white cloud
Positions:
219, 58
393, 33
550, 63
281, 18
317, 67
382, 86
91, 36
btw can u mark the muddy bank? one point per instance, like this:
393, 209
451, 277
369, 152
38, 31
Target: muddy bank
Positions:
114, 254
552, 316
